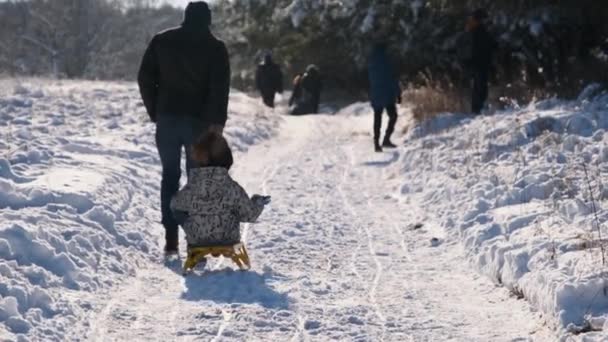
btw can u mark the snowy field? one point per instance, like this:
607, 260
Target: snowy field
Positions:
475, 229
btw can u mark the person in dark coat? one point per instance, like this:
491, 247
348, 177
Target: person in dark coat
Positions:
306, 92
480, 61
184, 81
384, 94
269, 80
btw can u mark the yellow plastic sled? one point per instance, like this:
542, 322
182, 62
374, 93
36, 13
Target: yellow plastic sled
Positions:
237, 252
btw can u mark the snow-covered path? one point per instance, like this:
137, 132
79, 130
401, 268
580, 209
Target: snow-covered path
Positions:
335, 257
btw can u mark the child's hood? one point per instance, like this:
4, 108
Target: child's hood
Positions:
209, 181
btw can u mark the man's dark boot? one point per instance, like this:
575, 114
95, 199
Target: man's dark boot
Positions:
377, 146
171, 241
387, 143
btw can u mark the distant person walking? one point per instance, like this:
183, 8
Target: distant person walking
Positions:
384, 94
269, 80
184, 81
480, 58
306, 92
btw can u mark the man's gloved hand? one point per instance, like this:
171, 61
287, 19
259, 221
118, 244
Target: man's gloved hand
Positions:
180, 217
260, 200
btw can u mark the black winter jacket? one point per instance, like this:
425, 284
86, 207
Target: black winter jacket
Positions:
185, 71
269, 78
306, 92
483, 47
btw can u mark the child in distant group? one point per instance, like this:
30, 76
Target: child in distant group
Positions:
212, 205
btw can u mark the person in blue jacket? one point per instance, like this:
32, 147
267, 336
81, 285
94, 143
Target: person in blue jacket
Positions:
384, 93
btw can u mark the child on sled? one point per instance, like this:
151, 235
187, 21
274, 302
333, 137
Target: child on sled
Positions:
212, 205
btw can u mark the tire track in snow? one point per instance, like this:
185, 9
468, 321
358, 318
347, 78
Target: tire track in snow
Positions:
301, 319
414, 307
379, 271
340, 189
372, 251
324, 163
390, 232
411, 264
359, 244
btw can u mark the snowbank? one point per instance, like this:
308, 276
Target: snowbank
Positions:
524, 191
79, 182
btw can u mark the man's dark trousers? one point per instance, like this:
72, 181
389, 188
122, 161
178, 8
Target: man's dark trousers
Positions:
172, 134
391, 110
480, 90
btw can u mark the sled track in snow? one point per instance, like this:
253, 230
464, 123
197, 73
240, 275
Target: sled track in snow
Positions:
300, 331
368, 237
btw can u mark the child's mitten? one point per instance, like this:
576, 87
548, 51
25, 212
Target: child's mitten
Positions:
260, 200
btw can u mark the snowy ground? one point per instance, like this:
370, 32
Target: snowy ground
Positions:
344, 252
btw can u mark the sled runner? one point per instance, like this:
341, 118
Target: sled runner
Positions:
237, 252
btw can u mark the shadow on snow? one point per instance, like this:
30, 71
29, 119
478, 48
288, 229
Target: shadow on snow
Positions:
231, 287
382, 163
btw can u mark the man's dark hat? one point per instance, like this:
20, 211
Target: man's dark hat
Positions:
197, 14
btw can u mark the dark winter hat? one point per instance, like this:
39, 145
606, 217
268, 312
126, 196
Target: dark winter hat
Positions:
197, 14
480, 14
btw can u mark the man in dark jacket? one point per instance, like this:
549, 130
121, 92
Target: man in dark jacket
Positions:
184, 81
306, 92
384, 93
480, 61
269, 80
